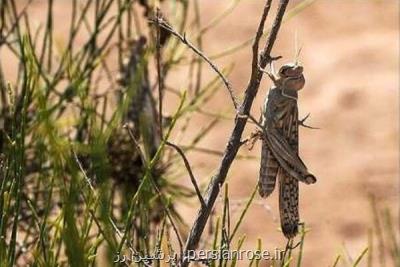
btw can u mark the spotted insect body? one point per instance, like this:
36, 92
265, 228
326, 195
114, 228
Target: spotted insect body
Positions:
280, 146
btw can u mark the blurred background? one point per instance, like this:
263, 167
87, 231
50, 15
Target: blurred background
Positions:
350, 54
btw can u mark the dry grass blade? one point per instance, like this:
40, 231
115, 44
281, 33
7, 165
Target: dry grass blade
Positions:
187, 165
360, 257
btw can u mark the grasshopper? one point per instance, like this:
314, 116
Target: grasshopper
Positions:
280, 145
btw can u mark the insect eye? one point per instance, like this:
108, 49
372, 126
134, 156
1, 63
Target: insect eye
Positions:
284, 70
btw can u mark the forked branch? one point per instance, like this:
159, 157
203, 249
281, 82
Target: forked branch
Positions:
234, 143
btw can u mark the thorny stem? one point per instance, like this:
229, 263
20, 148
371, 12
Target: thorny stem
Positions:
240, 122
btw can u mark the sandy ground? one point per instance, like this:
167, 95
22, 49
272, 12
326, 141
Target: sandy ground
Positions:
350, 52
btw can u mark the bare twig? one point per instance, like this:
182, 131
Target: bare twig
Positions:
159, 76
240, 122
216, 152
163, 24
89, 182
253, 120
187, 165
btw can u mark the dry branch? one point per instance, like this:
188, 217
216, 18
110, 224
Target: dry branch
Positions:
163, 24
240, 122
159, 76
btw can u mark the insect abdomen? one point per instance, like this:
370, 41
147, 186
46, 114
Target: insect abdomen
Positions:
289, 204
268, 171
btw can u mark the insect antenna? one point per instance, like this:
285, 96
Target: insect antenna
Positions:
297, 49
